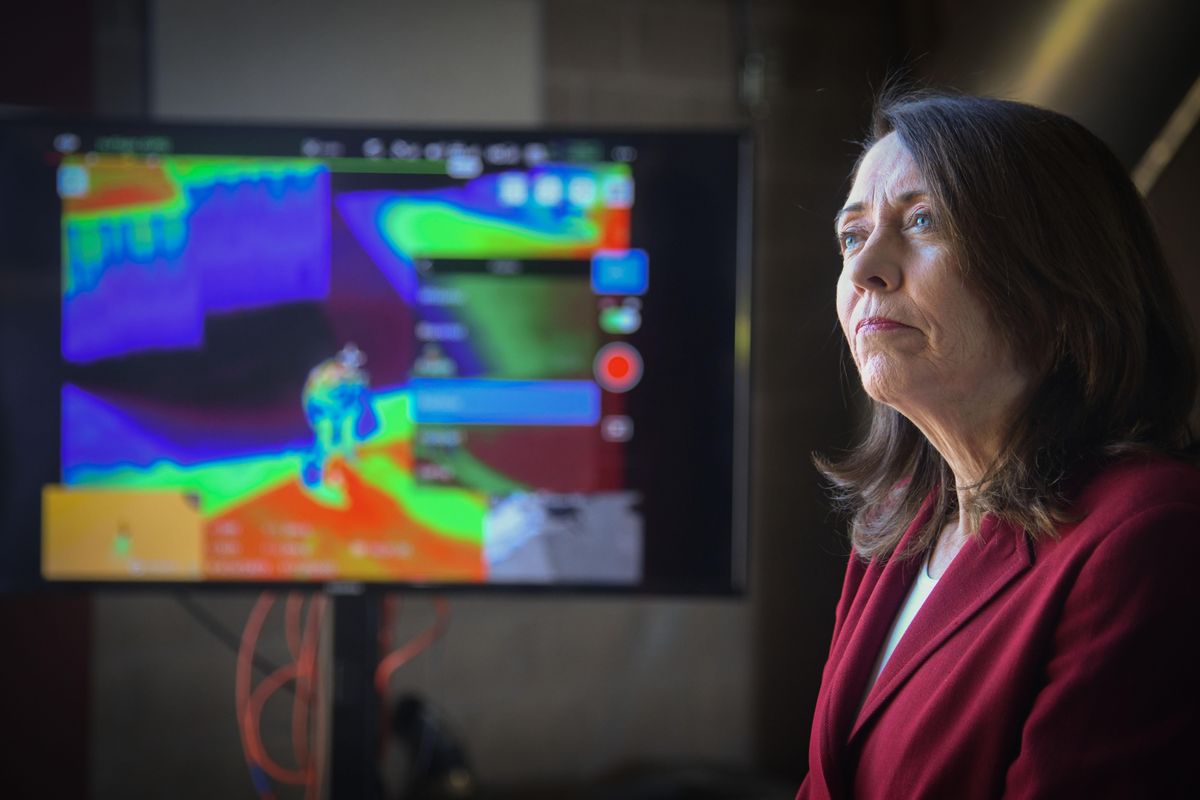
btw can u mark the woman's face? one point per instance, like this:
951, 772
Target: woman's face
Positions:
921, 339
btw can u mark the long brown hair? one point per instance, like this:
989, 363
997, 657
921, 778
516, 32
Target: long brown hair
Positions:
1051, 233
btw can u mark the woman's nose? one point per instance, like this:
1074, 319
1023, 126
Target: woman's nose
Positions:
878, 265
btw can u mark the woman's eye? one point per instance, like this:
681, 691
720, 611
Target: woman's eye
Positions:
922, 219
849, 240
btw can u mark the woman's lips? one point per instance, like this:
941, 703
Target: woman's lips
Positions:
878, 324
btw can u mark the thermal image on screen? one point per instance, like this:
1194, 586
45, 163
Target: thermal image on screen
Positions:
278, 369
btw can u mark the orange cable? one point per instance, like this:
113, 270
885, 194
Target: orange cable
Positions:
317, 715
245, 661
295, 604
300, 701
390, 610
250, 726
306, 676
403, 655
413, 647
244, 676
250, 703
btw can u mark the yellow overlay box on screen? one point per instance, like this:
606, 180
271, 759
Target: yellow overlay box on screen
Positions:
105, 534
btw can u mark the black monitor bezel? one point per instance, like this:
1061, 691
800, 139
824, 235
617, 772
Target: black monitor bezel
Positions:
738, 579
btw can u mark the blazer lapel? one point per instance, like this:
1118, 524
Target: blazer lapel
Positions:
985, 565
853, 654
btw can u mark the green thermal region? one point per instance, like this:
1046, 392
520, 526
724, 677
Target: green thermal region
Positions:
529, 329
437, 229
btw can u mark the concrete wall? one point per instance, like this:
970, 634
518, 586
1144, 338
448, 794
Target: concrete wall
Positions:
453, 61
1172, 202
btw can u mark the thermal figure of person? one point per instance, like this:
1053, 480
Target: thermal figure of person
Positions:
337, 404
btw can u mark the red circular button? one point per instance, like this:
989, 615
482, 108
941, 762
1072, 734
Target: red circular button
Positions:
618, 367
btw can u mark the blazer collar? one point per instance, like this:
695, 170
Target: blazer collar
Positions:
985, 565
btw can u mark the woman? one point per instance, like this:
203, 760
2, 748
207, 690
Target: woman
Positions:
1020, 615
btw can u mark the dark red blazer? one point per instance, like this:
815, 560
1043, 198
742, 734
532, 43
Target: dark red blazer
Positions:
1062, 669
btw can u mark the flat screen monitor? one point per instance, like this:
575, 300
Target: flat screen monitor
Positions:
423, 358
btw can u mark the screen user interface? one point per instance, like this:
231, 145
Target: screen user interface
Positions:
405, 368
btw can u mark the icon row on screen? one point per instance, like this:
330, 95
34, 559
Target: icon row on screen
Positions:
549, 190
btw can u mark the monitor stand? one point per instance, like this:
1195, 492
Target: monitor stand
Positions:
354, 745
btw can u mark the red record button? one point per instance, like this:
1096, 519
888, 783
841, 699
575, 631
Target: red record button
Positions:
618, 367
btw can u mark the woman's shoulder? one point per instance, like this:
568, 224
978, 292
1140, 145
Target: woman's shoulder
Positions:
1138, 483
1144, 499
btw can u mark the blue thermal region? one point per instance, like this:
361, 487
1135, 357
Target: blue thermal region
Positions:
147, 281
261, 242
98, 318
99, 433
363, 212
96, 433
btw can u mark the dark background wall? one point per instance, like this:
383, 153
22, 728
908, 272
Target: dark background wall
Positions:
44, 687
557, 692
